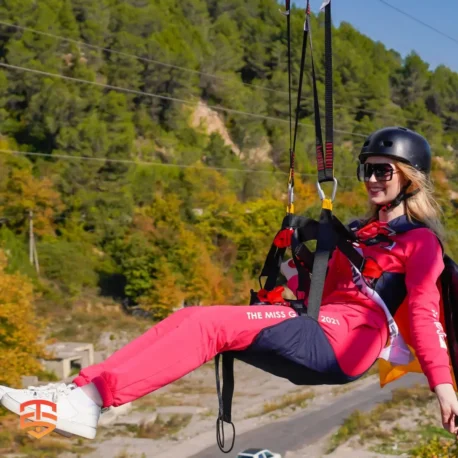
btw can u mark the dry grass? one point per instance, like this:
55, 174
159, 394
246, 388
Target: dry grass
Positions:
294, 400
368, 426
163, 426
192, 387
125, 454
151, 402
341, 389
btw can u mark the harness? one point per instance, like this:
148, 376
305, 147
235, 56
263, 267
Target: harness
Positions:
296, 230
329, 234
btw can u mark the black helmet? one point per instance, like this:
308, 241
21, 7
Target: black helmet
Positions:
401, 144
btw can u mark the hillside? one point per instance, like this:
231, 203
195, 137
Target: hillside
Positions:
153, 145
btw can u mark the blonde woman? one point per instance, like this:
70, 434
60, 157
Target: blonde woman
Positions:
390, 311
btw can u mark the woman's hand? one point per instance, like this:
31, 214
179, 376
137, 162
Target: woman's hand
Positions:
449, 406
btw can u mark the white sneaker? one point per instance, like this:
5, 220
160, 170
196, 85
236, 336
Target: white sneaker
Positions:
72, 417
52, 387
4, 390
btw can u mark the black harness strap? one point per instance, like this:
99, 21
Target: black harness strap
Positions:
304, 229
302, 256
449, 285
329, 162
292, 146
225, 399
326, 240
345, 237
344, 241
271, 268
301, 71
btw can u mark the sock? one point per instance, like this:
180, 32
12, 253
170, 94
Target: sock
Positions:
79, 397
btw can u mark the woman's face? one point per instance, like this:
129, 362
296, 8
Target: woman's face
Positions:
383, 179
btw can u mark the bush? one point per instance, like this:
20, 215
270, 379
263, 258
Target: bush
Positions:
72, 265
20, 328
15, 248
436, 448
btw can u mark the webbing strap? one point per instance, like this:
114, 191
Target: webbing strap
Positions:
345, 237
225, 399
292, 147
326, 239
301, 71
449, 286
302, 256
304, 228
290, 208
324, 160
271, 268
329, 161
288, 26
325, 245
318, 130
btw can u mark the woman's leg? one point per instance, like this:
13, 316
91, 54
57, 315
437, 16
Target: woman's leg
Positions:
197, 339
137, 345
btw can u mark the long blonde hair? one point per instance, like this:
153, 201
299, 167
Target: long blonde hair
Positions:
422, 206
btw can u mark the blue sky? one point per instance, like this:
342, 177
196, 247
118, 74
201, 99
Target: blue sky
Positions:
396, 31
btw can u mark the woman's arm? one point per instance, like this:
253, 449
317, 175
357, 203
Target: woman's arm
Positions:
423, 268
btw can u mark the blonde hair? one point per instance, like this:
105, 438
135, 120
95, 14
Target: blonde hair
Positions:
422, 206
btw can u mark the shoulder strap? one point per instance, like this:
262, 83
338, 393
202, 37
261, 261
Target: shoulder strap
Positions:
449, 286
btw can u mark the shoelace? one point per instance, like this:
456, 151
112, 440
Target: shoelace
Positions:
52, 391
48, 387
55, 390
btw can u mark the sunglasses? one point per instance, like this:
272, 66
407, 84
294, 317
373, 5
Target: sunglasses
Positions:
382, 172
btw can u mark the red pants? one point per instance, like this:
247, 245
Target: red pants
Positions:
193, 336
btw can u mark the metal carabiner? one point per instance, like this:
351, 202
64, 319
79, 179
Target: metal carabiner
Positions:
334, 190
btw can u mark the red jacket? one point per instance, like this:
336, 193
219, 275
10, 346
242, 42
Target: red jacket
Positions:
417, 257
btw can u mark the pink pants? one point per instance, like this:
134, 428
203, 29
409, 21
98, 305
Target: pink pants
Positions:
188, 339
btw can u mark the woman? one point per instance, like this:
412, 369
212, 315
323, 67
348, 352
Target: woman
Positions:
355, 323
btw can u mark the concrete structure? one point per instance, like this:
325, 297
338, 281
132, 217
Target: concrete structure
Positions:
29, 380
68, 357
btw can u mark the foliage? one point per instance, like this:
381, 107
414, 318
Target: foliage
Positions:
154, 203
20, 328
16, 249
23, 195
58, 259
436, 447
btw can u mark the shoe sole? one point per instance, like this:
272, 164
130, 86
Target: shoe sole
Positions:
64, 427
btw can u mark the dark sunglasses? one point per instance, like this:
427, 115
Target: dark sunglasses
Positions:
382, 172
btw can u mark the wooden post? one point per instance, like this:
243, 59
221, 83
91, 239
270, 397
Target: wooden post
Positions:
31, 237
33, 256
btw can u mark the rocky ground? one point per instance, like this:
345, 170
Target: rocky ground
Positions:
179, 420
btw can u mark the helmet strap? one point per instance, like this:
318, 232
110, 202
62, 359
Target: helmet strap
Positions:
402, 196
